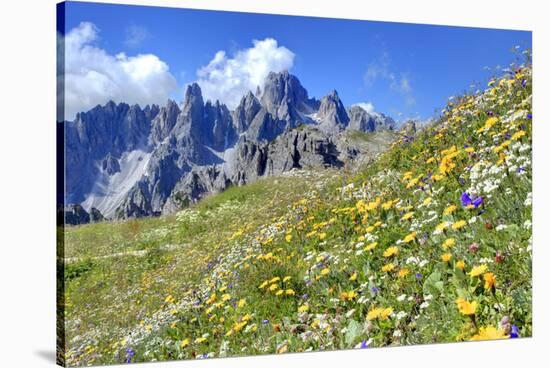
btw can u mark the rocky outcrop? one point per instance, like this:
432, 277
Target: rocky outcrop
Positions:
363, 121
75, 214
96, 215
163, 123
332, 115
110, 165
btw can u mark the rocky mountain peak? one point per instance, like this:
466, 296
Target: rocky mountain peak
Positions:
332, 113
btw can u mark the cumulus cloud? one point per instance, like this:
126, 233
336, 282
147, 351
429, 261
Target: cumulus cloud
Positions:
367, 106
228, 78
93, 76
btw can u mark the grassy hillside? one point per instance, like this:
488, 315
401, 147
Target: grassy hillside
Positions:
429, 243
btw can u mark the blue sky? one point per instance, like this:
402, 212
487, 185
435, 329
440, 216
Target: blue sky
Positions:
404, 70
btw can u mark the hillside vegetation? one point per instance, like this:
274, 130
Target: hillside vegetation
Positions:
429, 243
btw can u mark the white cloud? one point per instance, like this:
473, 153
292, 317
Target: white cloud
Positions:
367, 106
136, 35
93, 76
398, 82
228, 79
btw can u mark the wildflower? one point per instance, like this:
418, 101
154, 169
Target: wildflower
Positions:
322, 236
403, 272
275, 279
467, 201
499, 257
348, 295
273, 287
373, 314
169, 299
353, 277
407, 216
465, 307
388, 267
288, 238
490, 280
303, 308
514, 332
290, 292
226, 297
459, 224
280, 292
490, 333
129, 355
241, 303
263, 284
460, 265
442, 226
446, 257
286, 278
449, 210
371, 246
478, 270
449, 243
325, 271
199, 340
474, 247
385, 313
409, 238
391, 251
184, 343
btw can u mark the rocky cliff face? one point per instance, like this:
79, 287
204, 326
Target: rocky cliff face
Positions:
124, 161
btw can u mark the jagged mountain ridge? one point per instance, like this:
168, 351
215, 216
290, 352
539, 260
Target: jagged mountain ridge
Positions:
130, 162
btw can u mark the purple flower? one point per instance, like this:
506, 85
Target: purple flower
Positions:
468, 201
364, 344
129, 355
529, 116
374, 289
418, 275
514, 332
265, 321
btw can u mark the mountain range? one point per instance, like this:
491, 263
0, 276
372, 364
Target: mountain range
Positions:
124, 161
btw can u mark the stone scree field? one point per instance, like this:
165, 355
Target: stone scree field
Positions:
429, 243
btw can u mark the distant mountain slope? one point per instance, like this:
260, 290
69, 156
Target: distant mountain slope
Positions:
130, 162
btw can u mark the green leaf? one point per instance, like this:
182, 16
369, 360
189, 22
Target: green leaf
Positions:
433, 284
354, 330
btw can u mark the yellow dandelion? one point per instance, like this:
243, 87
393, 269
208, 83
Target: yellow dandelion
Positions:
490, 333
403, 272
449, 243
303, 308
241, 303
388, 267
184, 343
371, 246
286, 278
391, 251
446, 257
459, 225
409, 238
275, 279
353, 277
450, 209
263, 285
288, 238
280, 292
465, 307
407, 216
325, 271
490, 280
460, 265
273, 287
290, 292
478, 270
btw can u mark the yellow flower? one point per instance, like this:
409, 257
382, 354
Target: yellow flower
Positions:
200, 339
459, 224
290, 292
348, 295
226, 297
442, 226
450, 209
409, 238
288, 238
322, 236
490, 280
275, 279
388, 267
460, 265
478, 270
184, 343
169, 299
286, 278
241, 303
325, 271
370, 229
373, 314
371, 246
303, 308
446, 257
391, 251
403, 272
518, 135
465, 307
490, 333
273, 287
353, 277
385, 313
280, 292
449, 243
264, 284
427, 201
407, 216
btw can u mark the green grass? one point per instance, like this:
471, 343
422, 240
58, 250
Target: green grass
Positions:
207, 281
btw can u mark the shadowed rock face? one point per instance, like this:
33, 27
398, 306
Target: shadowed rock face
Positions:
124, 161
